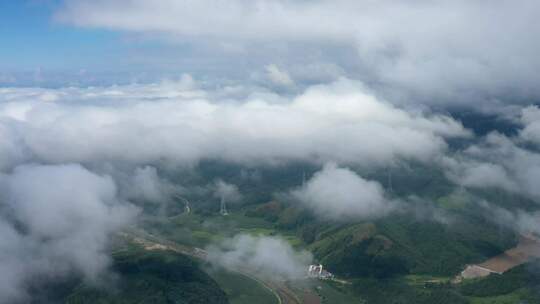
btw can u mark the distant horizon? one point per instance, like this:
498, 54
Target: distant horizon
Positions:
465, 57
209, 151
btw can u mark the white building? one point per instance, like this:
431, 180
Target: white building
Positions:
318, 272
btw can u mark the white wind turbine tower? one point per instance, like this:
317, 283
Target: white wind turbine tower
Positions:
223, 208
390, 187
187, 208
226, 192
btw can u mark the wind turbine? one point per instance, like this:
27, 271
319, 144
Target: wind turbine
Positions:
390, 188
223, 208
187, 208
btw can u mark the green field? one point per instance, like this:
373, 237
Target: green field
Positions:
199, 231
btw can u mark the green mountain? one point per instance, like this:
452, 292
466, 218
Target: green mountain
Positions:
152, 277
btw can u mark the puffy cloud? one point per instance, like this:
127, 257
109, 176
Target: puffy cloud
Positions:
226, 191
269, 257
518, 220
478, 174
531, 120
145, 184
497, 161
55, 221
522, 164
434, 50
278, 76
180, 123
339, 193
11, 147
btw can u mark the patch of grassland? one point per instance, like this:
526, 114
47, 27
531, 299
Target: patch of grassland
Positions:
422, 280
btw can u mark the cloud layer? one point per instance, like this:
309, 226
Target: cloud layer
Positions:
178, 123
458, 52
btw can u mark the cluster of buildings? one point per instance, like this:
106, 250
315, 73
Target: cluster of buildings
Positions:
318, 272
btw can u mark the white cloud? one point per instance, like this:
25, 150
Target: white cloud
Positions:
435, 50
497, 161
278, 76
269, 257
55, 221
478, 174
520, 221
339, 193
226, 191
530, 118
181, 124
145, 184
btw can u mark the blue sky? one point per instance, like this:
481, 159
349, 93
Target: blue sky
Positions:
31, 39
37, 49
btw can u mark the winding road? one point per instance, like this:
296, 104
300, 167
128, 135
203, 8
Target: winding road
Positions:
284, 294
